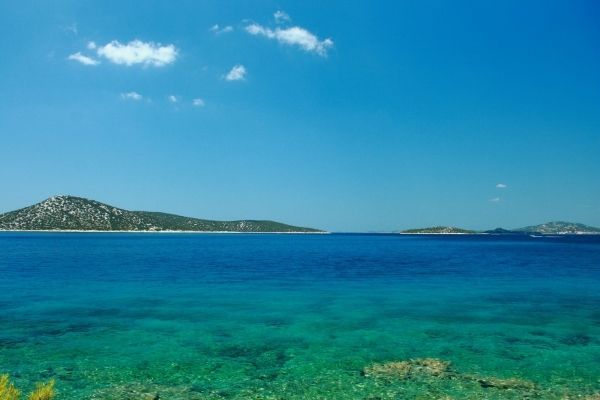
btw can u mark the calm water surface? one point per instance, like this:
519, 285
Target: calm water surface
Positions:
197, 316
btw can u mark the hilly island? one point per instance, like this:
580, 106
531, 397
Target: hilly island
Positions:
71, 213
549, 228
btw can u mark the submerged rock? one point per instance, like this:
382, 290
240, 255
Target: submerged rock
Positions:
393, 369
150, 391
577, 339
408, 369
428, 369
498, 383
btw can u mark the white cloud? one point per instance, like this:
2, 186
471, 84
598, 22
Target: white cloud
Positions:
173, 99
501, 186
198, 102
237, 73
281, 16
217, 30
91, 45
132, 96
495, 200
294, 36
85, 60
138, 52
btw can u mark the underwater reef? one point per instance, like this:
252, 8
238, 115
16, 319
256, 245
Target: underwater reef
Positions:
417, 378
408, 369
430, 371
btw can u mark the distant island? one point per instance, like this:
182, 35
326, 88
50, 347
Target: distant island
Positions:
71, 213
549, 228
560, 227
439, 230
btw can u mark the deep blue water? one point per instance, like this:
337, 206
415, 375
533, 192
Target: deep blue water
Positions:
201, 316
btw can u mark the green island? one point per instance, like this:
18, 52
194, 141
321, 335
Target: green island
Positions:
71, 213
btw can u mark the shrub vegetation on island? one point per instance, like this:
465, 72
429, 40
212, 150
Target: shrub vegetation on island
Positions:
560, 227
549, 228
439, 229
79, 214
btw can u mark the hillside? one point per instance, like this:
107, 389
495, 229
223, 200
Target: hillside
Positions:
549, 228
438, 230
76, 213
560, 227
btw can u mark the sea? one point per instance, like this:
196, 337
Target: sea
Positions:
329, 316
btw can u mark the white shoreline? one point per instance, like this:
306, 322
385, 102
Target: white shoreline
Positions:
165, 231
500, 234
284, 233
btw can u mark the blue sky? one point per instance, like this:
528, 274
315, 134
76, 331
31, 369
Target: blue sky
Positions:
342, 115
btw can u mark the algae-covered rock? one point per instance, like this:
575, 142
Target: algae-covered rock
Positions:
431, 366
392, 369
408, 369
428, 370
150, 391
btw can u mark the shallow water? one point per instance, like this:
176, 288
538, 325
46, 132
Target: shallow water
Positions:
198, 316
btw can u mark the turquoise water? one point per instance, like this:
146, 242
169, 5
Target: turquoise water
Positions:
136, 316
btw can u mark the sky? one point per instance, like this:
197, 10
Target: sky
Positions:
341, 115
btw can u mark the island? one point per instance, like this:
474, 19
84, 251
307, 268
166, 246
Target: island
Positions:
549, 228
561, 228
445, 230
71, 213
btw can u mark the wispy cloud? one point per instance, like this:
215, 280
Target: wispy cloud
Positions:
138, 52
217, 30
172, 98
495, 200
85, 60
132, 96
501, 186
91, 45
293, 36
237, 73
198, 102
71, 28
281, 17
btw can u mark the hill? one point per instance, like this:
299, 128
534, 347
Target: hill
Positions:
549, 228
438, 230
76, 213
560, 227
